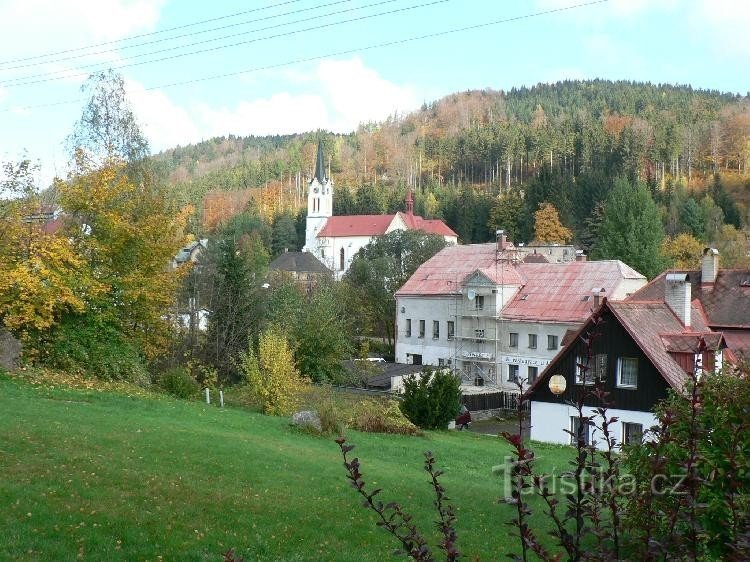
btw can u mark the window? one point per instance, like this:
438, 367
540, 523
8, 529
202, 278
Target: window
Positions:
532, 341
512, 373
408, 327
584, 370
632, 432
421, 328
580, 430
600, 366
435, 329
513, 339
441, 362
551, 342
479, 333
627, 372
479, 302
341, 259
531, 374
451, 330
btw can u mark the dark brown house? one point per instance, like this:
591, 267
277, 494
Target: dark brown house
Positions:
641, 350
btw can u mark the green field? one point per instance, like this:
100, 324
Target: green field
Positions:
88, 475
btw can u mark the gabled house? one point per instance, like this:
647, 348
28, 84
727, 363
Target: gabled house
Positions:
493, 317
640, 350
302, 267
722, 294
190, 253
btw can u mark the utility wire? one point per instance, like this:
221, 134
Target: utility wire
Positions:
150, 34
340, 53
191, 34
7, 83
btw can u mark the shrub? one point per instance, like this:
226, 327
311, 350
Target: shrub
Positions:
380, 416
271, 375
432, 398
178, 382
81, 345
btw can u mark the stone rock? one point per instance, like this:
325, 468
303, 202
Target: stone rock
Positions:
307, 418
10, 351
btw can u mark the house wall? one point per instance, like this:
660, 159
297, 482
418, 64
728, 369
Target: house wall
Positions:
440, 308
549, 422
328, 251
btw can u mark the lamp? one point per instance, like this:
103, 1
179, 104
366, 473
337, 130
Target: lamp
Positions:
557, 384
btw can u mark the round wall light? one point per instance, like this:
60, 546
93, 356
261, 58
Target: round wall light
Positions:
557, 384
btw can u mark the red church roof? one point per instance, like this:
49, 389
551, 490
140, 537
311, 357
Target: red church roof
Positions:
375, 225
356, 225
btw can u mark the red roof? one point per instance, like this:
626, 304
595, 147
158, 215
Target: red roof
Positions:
444, 272
375, 225
657, 331
554, 291
563, 292
356, 225
432, 226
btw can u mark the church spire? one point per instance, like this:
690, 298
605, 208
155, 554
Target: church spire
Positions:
320, 168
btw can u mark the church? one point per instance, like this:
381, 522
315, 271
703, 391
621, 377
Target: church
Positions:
335, 240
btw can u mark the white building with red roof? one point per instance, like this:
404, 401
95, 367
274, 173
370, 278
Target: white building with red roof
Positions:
494, 314
335, 240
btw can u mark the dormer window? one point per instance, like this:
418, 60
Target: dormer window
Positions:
479, 302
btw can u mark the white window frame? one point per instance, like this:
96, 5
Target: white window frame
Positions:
479, 302
422, 325
512, 341
549, 341
515, 378
435, 329
620, 384
529, 378
407, 328
535, 339
574, 430
451, 329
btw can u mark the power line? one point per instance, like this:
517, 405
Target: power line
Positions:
343, 52
115, 41
191, 34
7, 84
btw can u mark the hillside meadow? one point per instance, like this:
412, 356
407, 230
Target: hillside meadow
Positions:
92, 475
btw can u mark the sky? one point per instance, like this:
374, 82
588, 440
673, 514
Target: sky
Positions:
299, 65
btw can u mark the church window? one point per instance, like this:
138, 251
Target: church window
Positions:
341, 259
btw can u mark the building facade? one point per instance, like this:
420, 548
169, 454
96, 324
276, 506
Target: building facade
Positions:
494, 318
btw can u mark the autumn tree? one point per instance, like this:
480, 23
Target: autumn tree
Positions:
270, 373
547, 226
631, 230
683, 251
41, 276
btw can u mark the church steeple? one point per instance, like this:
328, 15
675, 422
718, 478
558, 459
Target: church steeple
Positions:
320, 168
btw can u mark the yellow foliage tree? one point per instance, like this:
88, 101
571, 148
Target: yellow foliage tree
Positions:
683, 251
126, 234
547, 226
41, 276
271, 375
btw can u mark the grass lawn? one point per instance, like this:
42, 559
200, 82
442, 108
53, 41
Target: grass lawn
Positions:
104, 476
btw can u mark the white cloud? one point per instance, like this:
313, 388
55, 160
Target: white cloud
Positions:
723, 25
336, 95
49, 20
163, 122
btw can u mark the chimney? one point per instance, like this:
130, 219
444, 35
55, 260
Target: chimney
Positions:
677, 296
580, 256
409, 203
598, 296
502, 240
709, 267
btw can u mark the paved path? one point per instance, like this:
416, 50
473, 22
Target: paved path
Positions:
494, 427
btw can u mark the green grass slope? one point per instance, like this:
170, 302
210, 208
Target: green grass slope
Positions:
101, 476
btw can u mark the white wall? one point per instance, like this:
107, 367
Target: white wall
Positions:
428, 309
549, 421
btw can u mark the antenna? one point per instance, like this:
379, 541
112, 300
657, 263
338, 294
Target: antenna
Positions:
471, 294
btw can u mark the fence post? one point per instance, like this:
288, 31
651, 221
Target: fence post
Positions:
221, 398
208, 396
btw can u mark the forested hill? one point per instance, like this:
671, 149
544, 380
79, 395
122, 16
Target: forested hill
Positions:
561, 143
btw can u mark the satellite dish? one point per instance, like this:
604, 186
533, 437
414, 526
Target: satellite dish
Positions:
471, 294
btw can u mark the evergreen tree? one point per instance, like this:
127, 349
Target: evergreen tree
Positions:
284, 235
691, 218
631, 230
506, 215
